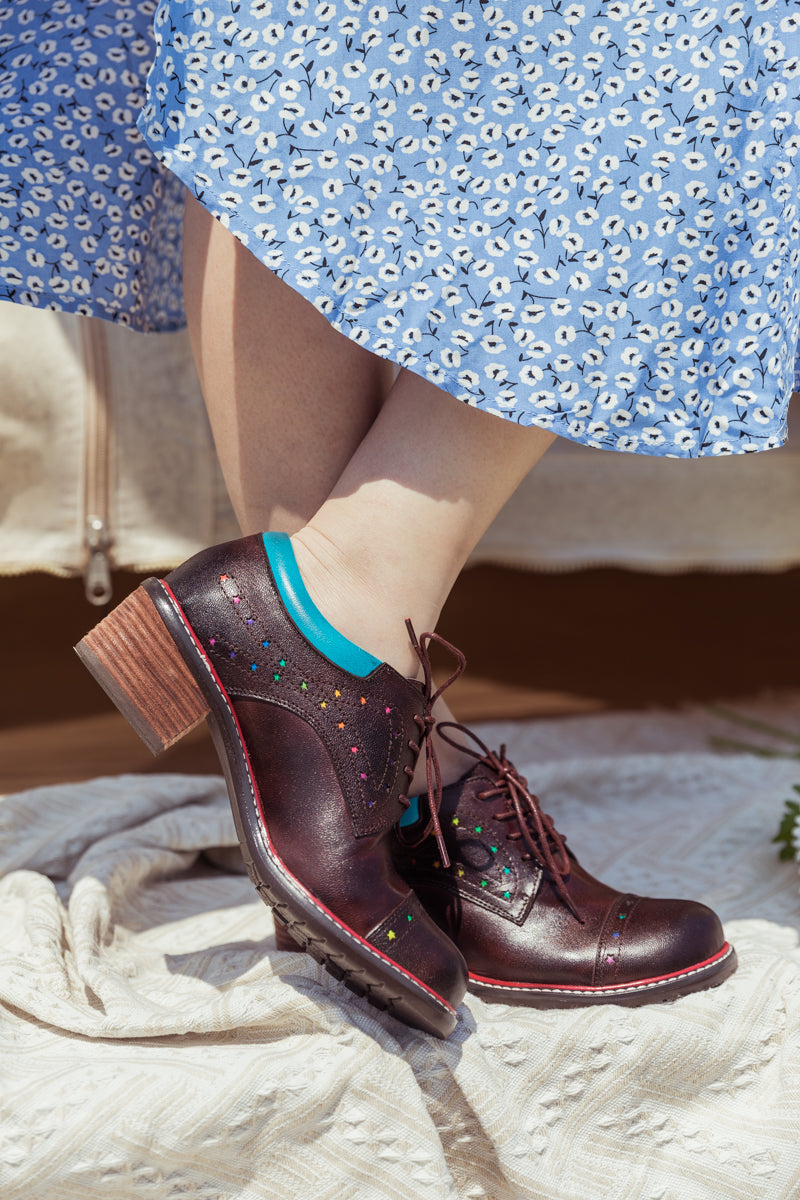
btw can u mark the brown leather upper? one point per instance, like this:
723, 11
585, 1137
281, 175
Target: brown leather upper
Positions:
365, 725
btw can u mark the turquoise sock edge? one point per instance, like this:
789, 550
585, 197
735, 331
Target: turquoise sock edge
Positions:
305, 614
411, 815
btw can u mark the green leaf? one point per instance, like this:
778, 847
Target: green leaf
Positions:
724, 743
737, 718
787, 827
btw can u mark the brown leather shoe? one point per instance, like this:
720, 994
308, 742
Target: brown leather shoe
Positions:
534, 927
316, 749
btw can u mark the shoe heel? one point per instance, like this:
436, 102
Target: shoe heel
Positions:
136, 662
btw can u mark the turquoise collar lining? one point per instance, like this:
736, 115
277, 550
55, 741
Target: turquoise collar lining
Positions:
411, 815
305, 614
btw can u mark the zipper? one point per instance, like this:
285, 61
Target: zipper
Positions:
96, 530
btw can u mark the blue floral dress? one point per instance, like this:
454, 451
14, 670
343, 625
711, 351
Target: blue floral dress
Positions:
580, 216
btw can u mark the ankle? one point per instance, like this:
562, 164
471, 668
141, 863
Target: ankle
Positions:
353, 600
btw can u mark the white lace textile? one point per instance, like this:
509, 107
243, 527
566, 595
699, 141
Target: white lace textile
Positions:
154, 1044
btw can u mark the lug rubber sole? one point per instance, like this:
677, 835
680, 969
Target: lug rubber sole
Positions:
149, 662
708, 974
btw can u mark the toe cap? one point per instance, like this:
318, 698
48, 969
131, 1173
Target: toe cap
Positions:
661, 937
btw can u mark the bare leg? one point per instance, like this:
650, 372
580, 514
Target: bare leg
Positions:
288, 397
385, 487
423, 485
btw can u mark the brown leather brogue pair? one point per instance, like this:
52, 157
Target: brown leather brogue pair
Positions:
317, 749
318, 741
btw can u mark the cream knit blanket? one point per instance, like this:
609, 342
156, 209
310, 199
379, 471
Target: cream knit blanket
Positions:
155, 1045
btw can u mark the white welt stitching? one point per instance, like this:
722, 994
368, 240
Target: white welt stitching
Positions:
609, 991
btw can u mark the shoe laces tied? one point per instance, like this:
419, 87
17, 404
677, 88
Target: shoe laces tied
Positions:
427, 724
535, 827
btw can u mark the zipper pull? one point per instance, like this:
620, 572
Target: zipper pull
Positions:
97, 575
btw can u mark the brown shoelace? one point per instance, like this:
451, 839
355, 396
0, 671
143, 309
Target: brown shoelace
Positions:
534, 827
426, 724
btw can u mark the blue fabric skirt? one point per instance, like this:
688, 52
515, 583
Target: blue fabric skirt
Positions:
580, 216
90, 222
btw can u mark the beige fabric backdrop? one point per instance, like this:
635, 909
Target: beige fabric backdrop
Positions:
580, 507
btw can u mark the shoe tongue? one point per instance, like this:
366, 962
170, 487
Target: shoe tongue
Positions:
480, 778
474, 780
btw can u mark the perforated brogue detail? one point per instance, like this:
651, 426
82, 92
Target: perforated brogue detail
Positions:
366, 724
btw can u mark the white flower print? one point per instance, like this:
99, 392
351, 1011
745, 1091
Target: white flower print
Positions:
609, 190
113, 244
